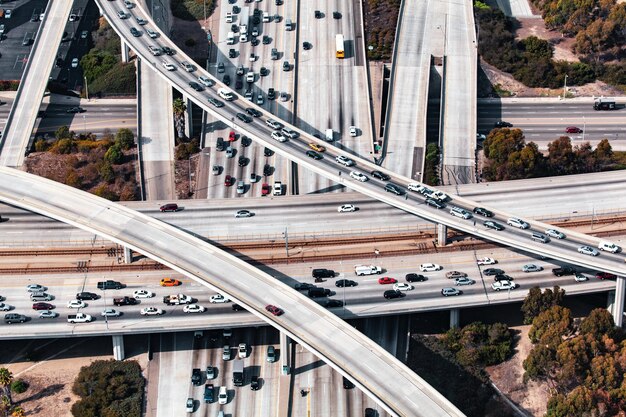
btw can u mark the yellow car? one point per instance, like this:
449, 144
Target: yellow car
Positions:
169, 282
317, 147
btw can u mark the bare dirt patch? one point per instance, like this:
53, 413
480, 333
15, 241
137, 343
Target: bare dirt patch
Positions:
508, 377
534, 26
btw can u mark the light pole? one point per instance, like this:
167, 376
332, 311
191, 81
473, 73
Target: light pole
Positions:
565, 87
286, 243
86, 88
584, 128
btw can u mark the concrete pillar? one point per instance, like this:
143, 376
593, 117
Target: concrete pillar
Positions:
188, 117
284, 353
118, 347
125, 52
616, 301
455, 317
128, 256
442, 234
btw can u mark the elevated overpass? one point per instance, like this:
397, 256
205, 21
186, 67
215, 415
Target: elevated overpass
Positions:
294, 149
389, 382
21, 121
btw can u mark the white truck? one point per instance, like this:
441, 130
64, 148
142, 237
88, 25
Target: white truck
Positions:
244, 16
177, 299
230, 38
79, 318
361, 270
278, 188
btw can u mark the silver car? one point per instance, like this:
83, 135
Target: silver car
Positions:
588, 250
532, 268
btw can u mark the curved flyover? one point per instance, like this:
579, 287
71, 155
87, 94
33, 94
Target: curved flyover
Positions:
294, 149
389, 382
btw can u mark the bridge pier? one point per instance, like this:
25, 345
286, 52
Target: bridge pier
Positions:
615, 302
442, 234
125, 52
455, 317
128, 256
118, 347
188, 116
284, 353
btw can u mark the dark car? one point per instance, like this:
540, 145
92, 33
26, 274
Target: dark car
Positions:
391, 294
318, 14
254, 41
345, 283
169, 207
271, 94
254, 383
564, 270
42, 306
167, 50
220, 144
86, 296
253, 112
238, 84
215, 102
135, 32
483, 212
303, 286
380, 175
314, 155
333, 303
228, 180
237, 307
395, 189
492, 271
347, 384
502, 123
232, 53
196, 376
490, 224
336, 15
264, 72
245, 141
306, 46
605, 275
322, 273
110, 285
195, 86
502, 277
268, 152
266, 40
209, 393
435, 203
226, 79
75, 110
267, 170
243, 161
244, 117
412, 277
573, 129
14, 318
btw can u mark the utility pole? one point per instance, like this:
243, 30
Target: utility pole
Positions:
565, 87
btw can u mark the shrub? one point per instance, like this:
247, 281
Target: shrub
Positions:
431, 165
19, 386
192, 10
41, 145
104, 192
125, 138
121, 79
114, 154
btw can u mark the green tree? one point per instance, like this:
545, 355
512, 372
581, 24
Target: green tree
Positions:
19, 386
179, 108
598, 323
63, 133
533, 46
431, 164
550, 326
6, 378
41, 145
574, 358
536, 301
114, 154
97, 63
105, 169
540, 363
578, 403
561, 156
604, 374
125, 138
603, 153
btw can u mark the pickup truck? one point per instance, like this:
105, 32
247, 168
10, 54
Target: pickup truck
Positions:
79, 318
124, 301
110, 285
564, 270
177, 299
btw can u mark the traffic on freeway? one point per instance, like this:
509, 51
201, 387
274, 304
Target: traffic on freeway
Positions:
382, 184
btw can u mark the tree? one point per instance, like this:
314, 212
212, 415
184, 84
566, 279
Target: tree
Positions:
114, 154
604, 374
603, 153
598, 323
125, 138
550, 326
577, 403
540, 363
179, 116
63, 133
561, 156
6, 378
536, 301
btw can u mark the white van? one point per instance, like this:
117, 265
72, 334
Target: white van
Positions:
288, 24
230, 39
278, 188
329, 135
290, 133
361, 270
609, 247
225, 93
266, 17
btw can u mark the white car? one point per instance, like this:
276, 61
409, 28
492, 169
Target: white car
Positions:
448, 291
430, 267
402, 286
206, 81
143, 294
169, 66
439, 195
503, 285
273, 124
76, 304
222, 396
588, 250
193, 308
519, 223
415, 186
578, 277
353, 131
242, 350
346, 208
555, 234
110, 312
279, 136
74, 62
344, 160
486, 261
151, 311
252, 57
243, 213
358, 176
35, 288
464, 281
152, 33
218, 298
47, 314
5, 307
532, 268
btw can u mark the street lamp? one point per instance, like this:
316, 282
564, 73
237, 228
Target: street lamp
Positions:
584, 128
565, 87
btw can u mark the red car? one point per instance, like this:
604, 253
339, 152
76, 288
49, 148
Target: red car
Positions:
274, 310
387, 280
228, 181
605, 275
573, 129
265, 189
231, 136
42, 306
169, 207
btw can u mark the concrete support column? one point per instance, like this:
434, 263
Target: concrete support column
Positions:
125, 52
188, 117
118, 347
616, 301
128, 256
455, 317
442, 234
284, 353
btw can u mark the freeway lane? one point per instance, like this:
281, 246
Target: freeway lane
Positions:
293, 150
388, 381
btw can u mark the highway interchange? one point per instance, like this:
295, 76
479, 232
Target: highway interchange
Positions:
335, 177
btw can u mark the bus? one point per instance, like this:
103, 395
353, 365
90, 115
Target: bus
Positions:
603, 103
339, 44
